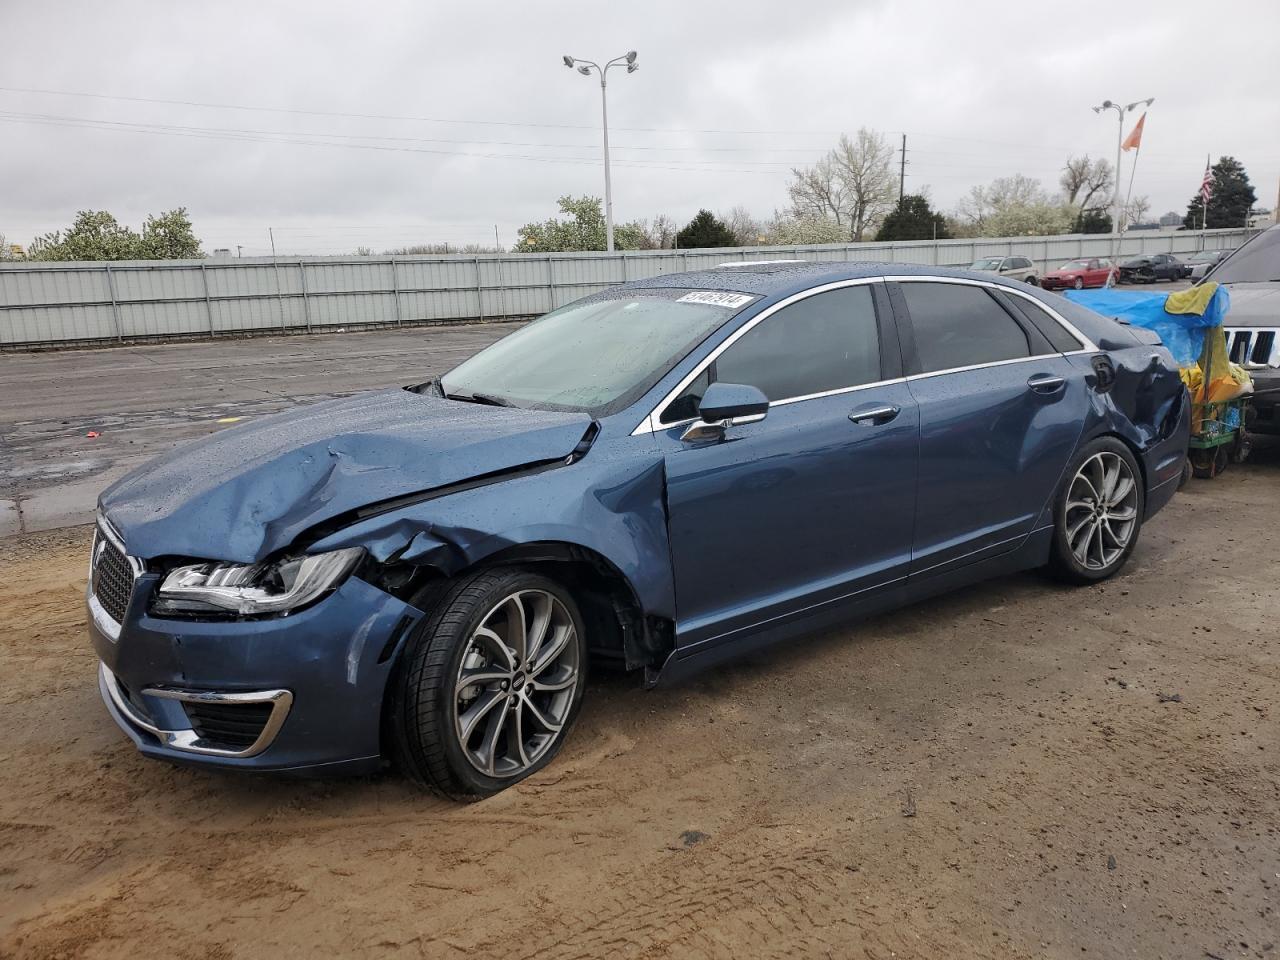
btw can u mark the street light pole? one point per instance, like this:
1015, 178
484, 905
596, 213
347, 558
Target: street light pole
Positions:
585, 67
1115, 200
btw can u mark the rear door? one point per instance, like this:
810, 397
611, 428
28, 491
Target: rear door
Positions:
1001, 410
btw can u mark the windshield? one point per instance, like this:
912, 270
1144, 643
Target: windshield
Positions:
1075, 265
986, 263
1258, 261
595, 356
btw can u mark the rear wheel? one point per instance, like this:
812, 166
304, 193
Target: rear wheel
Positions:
1098, 513
1079, 283
489, 685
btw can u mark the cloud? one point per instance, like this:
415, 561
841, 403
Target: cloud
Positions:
729, 95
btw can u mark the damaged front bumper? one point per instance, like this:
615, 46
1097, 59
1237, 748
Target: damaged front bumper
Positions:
301, 693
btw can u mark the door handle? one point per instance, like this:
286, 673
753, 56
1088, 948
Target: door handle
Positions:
1046, 383
876, 413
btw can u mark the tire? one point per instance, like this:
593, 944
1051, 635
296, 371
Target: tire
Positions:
1079, 283
1207, 464
1079, 521
1033, 281
429, 701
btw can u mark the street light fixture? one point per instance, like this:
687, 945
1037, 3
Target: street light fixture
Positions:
1120, 112
585, 67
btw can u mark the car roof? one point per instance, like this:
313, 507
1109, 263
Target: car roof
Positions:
780, 279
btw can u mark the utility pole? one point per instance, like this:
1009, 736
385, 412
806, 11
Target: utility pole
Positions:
239, 247
272, 234
902, 173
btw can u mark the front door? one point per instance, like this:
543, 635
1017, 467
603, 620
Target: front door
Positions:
1000, 414
814, 503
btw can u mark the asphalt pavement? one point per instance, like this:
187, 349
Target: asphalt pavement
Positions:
73, 421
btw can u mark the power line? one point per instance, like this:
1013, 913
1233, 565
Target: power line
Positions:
686, 166
382, 116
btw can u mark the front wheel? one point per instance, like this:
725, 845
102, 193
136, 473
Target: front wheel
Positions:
489, 685
1097, 514
1079, 284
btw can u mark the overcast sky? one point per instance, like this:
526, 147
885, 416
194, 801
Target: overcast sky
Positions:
470, 120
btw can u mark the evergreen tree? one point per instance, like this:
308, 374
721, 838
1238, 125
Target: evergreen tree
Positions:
1232, 198
705, 230
914, 219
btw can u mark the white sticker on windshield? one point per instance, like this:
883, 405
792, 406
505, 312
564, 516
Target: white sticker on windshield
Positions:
718, 299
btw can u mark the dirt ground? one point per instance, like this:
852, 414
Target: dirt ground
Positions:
998, 773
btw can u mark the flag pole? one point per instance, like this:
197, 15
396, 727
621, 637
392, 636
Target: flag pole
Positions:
1137, 152
1204, 207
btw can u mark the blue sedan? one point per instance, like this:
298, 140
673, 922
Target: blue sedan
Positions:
665, 474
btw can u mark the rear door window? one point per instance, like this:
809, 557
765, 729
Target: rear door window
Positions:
957, 325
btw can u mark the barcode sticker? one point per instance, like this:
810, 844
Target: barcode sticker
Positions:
717, 298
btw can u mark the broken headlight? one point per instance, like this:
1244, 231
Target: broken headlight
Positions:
257, 588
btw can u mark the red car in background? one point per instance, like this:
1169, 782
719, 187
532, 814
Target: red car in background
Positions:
1078, 274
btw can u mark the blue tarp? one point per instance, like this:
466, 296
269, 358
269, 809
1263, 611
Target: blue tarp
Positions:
1182, 333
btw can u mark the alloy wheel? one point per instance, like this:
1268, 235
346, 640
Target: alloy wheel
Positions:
1102, 510
516, 683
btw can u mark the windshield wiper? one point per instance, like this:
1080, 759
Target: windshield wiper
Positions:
484, 398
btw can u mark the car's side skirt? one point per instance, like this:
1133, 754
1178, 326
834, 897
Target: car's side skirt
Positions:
1034, 552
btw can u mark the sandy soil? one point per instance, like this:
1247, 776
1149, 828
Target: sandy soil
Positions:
995, 774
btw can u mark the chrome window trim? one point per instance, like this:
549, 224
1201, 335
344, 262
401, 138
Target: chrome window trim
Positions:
1088, 346
652, 424
187, 740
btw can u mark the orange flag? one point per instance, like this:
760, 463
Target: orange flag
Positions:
1134, 139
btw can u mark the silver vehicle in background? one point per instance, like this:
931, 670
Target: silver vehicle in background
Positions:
1204, 261
1014, 268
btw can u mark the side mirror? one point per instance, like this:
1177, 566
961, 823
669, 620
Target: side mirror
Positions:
725, 404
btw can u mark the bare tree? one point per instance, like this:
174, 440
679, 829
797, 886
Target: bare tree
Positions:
819, 191
852, 185
745, 228
1136, 210
660, 233
1084, 181
865, 166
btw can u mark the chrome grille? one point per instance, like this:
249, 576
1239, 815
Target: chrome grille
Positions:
111, 575
1253, 346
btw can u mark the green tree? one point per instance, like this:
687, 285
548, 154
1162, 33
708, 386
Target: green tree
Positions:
1233, 197
914, 219
169, 236
95, 235
705, 230
1092, 220
585, 230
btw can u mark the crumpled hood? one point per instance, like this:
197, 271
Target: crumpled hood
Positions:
244, 492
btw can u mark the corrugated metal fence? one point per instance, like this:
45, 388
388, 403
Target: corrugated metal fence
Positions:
51, 303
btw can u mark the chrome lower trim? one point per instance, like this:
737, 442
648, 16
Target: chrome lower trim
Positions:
103, 621
187, 740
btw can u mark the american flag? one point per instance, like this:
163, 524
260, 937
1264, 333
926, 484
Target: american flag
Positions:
1206, 185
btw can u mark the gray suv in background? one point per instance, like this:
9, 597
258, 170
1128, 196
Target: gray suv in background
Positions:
1012, 268
1252, 275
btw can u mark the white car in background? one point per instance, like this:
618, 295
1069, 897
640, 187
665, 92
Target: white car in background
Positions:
1014, 268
